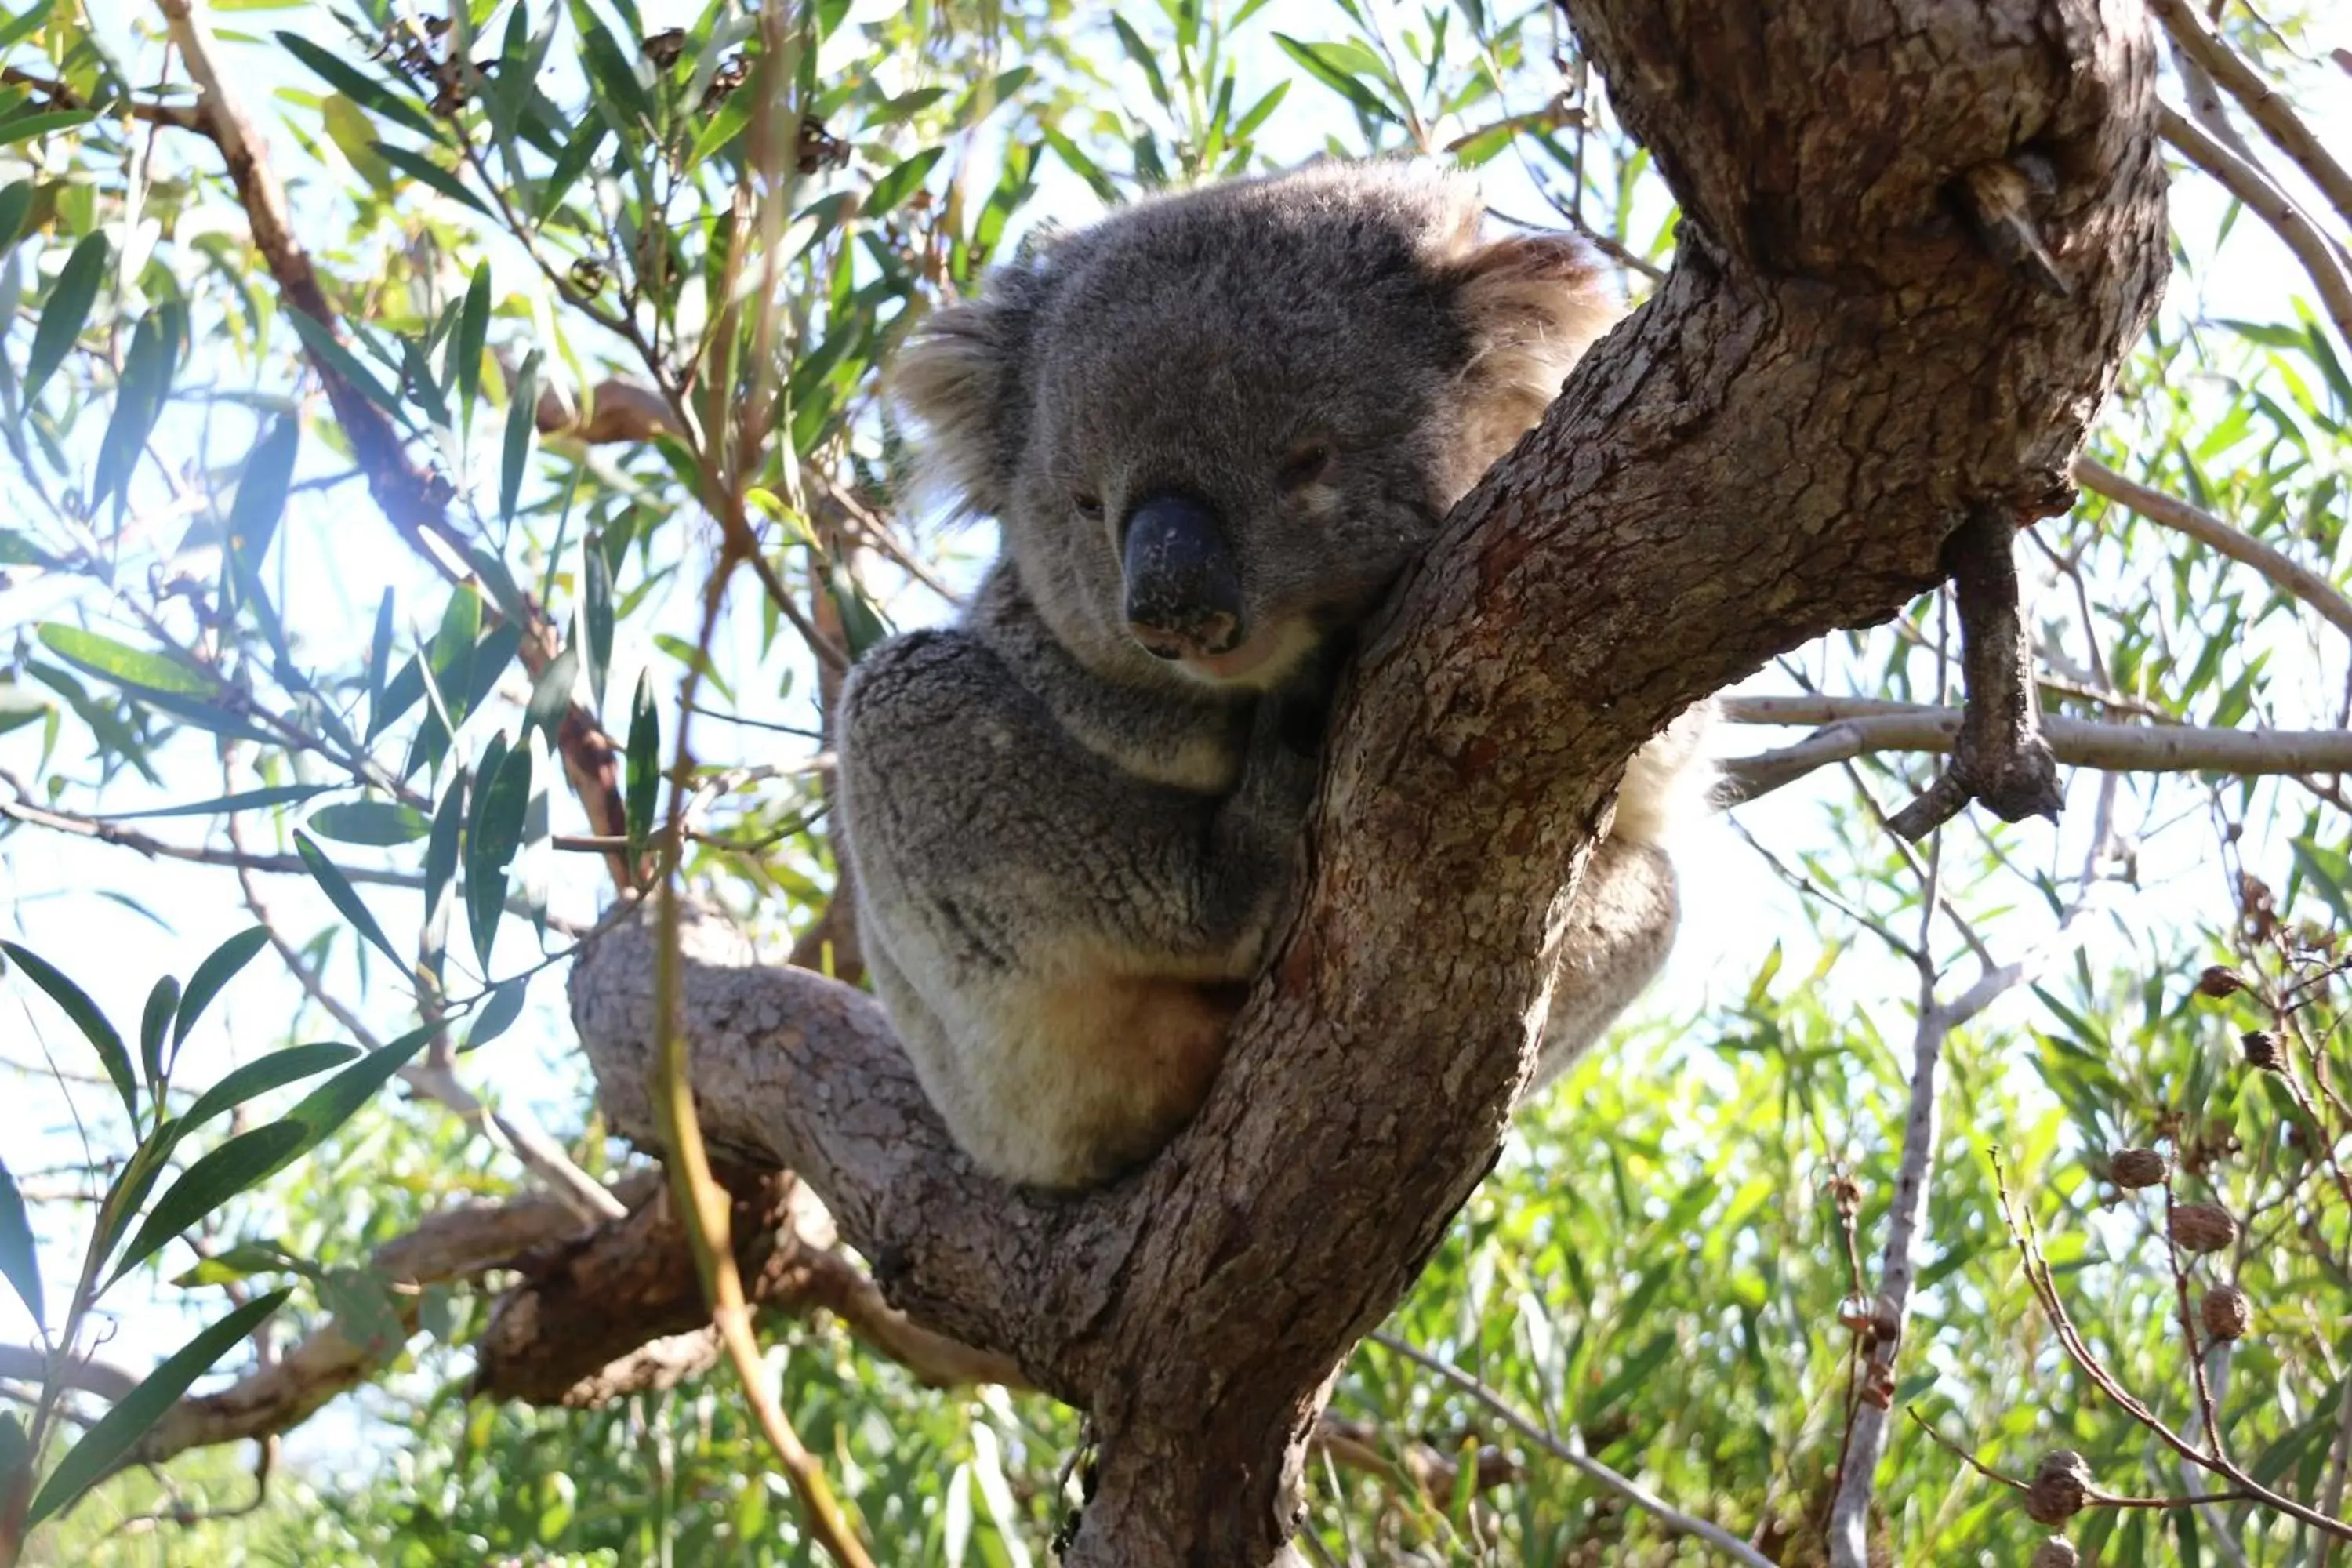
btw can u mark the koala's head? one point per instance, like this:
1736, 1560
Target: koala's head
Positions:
1215, 426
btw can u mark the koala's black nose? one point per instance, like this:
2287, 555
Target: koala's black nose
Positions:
1183, 586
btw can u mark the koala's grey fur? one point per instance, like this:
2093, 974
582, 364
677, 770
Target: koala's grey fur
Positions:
1071, 849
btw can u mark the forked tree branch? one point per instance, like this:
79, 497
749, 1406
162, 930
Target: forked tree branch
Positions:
1824, 316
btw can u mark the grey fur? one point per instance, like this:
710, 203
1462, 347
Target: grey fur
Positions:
1072, 851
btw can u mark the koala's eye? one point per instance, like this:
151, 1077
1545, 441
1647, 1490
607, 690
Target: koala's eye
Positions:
1306, 465
1090, 505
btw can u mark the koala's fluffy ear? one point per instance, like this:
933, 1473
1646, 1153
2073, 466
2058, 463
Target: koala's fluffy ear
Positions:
1533, 304
960, 377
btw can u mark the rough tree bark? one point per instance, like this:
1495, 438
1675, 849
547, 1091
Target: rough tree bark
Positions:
1778, 445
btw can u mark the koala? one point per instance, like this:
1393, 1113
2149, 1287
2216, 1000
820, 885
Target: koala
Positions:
1213, 429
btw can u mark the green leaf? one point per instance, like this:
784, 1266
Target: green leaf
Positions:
596, 616
258, 1077
643, 786
124, 665
900, 181
551, 695
1323, 62
19, 707
338, 888
497, 1015
112, 1436
330, 355
93, 1023
522, 427
19, 1261
207, 1185
492, 836
26, 127
261, 492
16, 201
376, 823
334, 1102
161, 1002
1137, 51
359, 87
244, 800
577, 154
144, 387
67, 309
220, 966
379, 659
473, 331
440, 867
416, 166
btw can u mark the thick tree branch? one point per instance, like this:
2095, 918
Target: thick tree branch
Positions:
2321, 260
2279, 121
1826, 314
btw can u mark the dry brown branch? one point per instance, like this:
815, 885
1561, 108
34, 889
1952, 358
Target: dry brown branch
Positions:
2000, 756
1861, 726
2242, 179
2288, 576
2277, 117
59, 95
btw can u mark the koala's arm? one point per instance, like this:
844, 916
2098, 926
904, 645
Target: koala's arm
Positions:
1060, 944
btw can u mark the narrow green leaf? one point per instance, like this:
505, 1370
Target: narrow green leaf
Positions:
49, 122
900, 181
250, 1079
93, 1023
1322, 61
67, 311
441, 868
416, 166
328, 353
473, 333
379, 659
334, 1102
261, 492
376, 823
361, 88
19, 1261
113, 1435
220, 966
244, 800
16, 201
161, 1002
596, 616
1137, 51
206, 1185
642, 785
492, 836
122, 664
139, 394
551, 695
497, 1015
577, 154
338, 888
522, 427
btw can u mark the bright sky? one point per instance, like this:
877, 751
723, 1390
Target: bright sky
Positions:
336, 558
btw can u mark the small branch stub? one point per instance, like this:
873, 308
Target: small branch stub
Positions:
2000, 757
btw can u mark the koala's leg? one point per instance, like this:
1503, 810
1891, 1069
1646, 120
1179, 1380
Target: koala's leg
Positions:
1061, 944
1619, 929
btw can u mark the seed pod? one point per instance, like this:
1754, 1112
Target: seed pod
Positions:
2262, 1048
2061, 1484
2057, 1552
2228, 1312
2220, 980
2133, 1168
2203, 1227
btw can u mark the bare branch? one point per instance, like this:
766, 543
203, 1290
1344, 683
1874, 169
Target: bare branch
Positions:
2288, 576
2320, 259
1861, 726
2277, 117
2000, 756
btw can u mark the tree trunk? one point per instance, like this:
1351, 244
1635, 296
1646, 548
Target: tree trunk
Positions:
1838, 368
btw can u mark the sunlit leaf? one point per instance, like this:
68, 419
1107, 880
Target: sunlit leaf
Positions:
376, 823
220, 966
77, 1006
67, 311
19, 1259
340, 893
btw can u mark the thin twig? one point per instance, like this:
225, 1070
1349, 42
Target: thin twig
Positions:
1574, 1456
